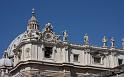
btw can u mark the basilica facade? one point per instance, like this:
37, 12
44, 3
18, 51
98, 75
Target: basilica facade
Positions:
36, 53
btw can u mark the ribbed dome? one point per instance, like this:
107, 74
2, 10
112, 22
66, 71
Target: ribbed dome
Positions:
18, 40
14, 43
32, 27
6, 62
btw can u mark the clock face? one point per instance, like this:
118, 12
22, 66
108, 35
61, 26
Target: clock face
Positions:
48, 36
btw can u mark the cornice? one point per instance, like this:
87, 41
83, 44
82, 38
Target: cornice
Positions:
57, 65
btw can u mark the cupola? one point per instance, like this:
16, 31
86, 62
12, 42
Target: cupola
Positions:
33, 22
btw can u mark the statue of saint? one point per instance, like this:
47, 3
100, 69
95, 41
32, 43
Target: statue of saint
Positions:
112, 42
65, 35
104, 40
86, 39
123, 43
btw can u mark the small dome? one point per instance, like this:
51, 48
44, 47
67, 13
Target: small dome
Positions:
6, 62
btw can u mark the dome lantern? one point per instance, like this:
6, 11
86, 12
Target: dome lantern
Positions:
33, 22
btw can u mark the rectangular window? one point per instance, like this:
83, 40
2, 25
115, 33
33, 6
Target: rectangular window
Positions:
97, 60
48, 52
120, 61
76, 57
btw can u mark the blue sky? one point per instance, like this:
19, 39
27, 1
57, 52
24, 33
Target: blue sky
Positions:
94, 17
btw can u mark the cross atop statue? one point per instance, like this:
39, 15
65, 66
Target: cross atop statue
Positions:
33, 11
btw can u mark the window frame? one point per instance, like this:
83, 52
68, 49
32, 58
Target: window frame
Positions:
119, 59
75, 57
97, 58
46, 51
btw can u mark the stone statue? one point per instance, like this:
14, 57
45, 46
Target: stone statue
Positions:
104, 40
65, 35
48, 27
112, 42
86, 39
123, 43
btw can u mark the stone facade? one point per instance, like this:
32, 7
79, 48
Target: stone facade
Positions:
36, 53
